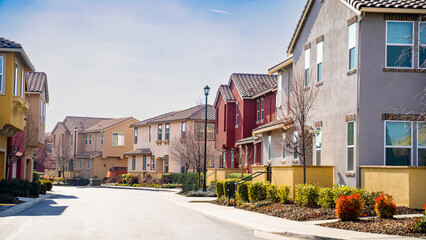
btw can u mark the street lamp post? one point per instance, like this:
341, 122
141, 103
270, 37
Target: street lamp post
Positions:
206, 92
75, 145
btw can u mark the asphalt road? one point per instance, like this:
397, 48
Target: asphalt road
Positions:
101, 213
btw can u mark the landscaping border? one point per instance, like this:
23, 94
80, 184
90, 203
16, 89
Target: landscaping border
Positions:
19, 207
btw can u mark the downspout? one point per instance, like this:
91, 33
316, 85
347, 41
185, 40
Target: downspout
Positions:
358, 184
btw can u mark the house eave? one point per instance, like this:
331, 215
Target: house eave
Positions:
23, 54
280, 66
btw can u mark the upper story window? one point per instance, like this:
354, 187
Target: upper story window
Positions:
422, 45
133, 162
262, 109
41, 111
149, 134
167, 133
283, 145
136, 135
86, 139
269, 147
307, 58
71, 139
399, 44
352, 45
279, 92
257, 110
160, 132
200, 131
102, 138
237, 115
15, 86
22, 83
1, 76
117, 139
319, 61
183, 129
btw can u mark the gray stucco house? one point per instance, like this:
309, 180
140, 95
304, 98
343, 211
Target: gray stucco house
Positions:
367, 60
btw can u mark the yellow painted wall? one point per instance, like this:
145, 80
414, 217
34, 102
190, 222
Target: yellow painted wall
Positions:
220, 173
405, 184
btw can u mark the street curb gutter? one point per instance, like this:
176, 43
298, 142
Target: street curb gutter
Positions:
17, 208
144, 189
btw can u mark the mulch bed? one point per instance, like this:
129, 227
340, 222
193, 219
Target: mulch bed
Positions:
395, 226
298, 213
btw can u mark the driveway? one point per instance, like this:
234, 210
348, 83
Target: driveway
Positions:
102, 213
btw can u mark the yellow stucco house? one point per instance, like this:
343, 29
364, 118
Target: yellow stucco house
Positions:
14, 63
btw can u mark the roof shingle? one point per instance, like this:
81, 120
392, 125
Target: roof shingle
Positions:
249, 85
104, 124
36, 82
408, 4
83, 123
226, 93
6, 43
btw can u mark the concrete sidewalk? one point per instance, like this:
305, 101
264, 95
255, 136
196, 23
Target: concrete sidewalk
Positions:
28, 203
269, 224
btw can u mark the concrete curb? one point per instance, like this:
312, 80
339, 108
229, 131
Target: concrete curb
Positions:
17, 208
173, 190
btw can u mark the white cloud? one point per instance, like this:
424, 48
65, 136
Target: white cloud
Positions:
220, 11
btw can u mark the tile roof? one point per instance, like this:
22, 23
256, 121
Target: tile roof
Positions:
249, 85
226, 93
6, 43
61, 125
193, 113
36, 82
139, 151
358, 5
408, 4
83, 123
104, 124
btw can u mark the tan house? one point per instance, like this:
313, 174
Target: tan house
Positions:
37, 95
154, 139
104, 146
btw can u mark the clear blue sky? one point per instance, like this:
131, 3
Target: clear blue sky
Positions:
110, 58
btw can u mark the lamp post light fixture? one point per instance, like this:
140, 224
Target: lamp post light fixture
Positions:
206, 92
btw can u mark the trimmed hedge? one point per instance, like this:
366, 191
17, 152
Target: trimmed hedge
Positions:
242, 192
258, 191
229, 188
35, 188
284, 193
306, 195
272, 193
191, 183
15, 187
178, 178
220, 190
349, 208
48, 183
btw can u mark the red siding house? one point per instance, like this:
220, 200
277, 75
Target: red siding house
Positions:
245, 103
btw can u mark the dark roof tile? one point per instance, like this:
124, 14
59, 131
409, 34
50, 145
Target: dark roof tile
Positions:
6, 43
249, 85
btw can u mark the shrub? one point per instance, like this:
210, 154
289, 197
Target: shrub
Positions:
370, 199
219, 188
272, 193
36, 176
237, 175
136, 185
200, 193
384, 206
132, 179
284, 193
35, 188
420, 224
15, 187
257, 191
326, 197
349, 208
306, 195
43, 188
229, 188
242, 192
48, 183
212, 186
191, 182
172, 178
7, 198
171, 185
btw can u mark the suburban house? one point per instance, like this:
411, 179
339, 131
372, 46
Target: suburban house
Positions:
14, 63
91, 147
245, 103
157, 140
367, 61
104, 146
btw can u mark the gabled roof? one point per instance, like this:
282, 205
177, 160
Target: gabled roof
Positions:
249, 85
7, 45
36, 82
359, 6
105, 124
280, 65
61, 125
193, 113
226, 93
83, 123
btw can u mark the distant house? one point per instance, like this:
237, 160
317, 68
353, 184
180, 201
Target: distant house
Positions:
245, 103
153, 138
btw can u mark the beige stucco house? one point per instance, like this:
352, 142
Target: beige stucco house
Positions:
154, 138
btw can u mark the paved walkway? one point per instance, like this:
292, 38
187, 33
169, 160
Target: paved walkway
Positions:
270, 224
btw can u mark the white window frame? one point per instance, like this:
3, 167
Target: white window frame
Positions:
2, 81
396, 44
255, 154
307, 54
352, 46
269, 148
71, 142
167, 131
279, 91
262, 109
41, 111
183, 130
386, 146
237, 115
257, 110
350, 146
420, 45
85, 139
418, 146
159, 132
118, 139
102, 138
16, 82
135, 140
90, 139
320, 56
22, 83
316, 148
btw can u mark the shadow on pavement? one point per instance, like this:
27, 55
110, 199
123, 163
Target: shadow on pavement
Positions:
46, 207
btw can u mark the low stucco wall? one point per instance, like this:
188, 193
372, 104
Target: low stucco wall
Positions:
293, 175
220, 173
71, 174
405, 184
